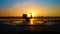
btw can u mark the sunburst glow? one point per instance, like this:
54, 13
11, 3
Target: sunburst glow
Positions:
32, 13
32, 10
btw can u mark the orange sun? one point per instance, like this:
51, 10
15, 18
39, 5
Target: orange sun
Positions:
31, 13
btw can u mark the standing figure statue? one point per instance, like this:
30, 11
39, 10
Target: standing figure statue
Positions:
27, 18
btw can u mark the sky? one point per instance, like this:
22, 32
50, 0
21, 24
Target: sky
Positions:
36, 7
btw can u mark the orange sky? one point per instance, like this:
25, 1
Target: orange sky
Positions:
36, 10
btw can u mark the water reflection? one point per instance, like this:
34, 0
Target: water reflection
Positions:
31, 22
32, 25
36, 22
17, 22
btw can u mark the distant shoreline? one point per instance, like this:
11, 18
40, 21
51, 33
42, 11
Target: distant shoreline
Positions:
48, 17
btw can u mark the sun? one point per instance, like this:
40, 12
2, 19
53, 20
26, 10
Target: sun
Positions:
31, 13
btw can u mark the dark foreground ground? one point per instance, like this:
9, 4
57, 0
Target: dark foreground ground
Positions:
15, 29
4, 28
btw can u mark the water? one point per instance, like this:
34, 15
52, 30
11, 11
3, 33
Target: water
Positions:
15, 25
31, 22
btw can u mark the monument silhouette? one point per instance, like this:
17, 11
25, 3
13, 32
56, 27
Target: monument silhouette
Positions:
27, 18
